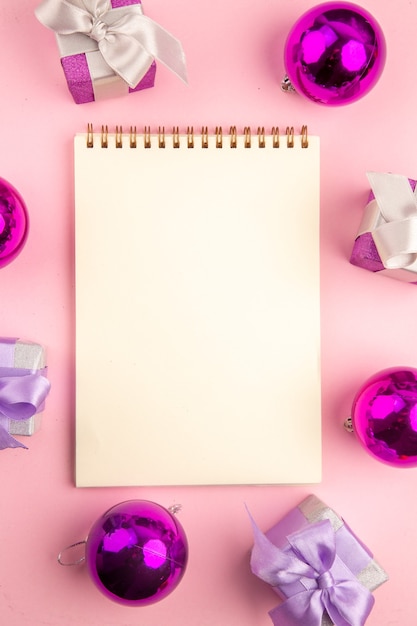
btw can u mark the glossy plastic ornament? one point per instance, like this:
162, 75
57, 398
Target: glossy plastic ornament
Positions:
384, 416
14, 223
136, 552
334, 54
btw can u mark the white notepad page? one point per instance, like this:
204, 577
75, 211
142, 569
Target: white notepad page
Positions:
197, 313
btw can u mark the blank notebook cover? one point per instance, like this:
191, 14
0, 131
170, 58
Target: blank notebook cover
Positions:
197, 308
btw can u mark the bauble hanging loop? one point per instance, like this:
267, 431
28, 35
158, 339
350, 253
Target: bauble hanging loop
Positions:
384, 416
334, 54
136, 553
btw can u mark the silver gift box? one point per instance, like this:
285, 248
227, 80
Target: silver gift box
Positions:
27, 355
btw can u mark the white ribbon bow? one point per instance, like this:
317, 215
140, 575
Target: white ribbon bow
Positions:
396, 236
128, 40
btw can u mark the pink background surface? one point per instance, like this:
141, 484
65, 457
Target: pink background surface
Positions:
235, 62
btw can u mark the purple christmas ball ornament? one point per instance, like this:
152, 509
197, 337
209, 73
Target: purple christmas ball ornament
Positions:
136, 553
384, 416
14, 223
334, 54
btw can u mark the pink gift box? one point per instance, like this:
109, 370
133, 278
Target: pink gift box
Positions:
353, 560
89, 77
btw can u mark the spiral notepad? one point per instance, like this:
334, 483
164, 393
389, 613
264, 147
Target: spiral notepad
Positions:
197, 307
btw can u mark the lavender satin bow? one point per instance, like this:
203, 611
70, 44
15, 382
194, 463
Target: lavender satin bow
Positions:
128, 40
21, 396
310, 561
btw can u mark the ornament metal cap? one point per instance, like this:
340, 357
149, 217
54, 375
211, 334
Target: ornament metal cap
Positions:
348, 424
286, 85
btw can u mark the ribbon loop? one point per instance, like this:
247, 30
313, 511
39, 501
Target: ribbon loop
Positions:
127, 40
396, 236
21, 397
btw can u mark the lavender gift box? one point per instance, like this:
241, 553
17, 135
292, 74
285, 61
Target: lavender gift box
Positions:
24, 387
317, 566
386, 242
108, 47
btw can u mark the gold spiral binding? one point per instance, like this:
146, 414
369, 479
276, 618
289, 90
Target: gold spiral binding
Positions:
219, 137
233, 137
248, 137
104, 136
261, 137
132, 137
147, 137
161, 137
304, 137
119, 137
90, 137
275, 136
190, 137
176, 137
290, 136
204, 137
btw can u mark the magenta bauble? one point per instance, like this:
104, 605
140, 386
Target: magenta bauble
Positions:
136, 553
335, 53
384, 416
14, 223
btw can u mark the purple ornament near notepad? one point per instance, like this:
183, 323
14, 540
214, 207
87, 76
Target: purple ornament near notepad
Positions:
384, 416
14, 223
334, 54
136, 552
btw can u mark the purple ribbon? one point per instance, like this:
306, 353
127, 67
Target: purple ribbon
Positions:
311, 558
22, 393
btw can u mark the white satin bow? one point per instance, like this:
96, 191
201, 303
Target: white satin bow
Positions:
395, 237
128, 40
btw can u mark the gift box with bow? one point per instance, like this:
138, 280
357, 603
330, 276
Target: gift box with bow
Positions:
386, 242
108, 48
23, 389
321, 570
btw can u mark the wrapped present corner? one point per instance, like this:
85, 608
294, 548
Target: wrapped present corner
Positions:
323, 573
23, 389
108, 48
386, 242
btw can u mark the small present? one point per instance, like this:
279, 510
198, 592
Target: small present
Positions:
386, 242
23, 389
321, 570
108, 48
